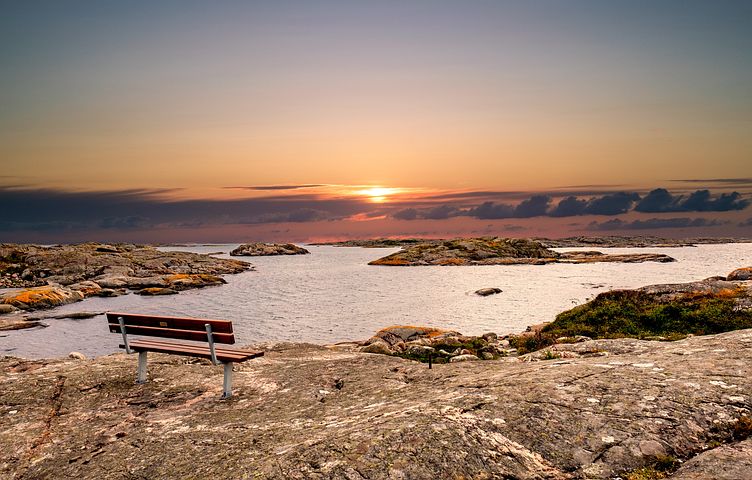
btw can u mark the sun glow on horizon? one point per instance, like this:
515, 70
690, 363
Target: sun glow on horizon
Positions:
378, 194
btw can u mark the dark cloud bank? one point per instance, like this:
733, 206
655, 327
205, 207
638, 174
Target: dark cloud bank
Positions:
656, 201
51, 211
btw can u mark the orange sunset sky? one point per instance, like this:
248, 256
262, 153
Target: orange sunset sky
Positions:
231, 121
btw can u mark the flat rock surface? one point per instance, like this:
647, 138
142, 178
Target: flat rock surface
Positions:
303, 411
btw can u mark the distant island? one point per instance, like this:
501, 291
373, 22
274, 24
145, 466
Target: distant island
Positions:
580, 241
500, 251
260, 249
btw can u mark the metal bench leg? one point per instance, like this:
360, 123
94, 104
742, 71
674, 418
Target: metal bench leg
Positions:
227, 387
141, 367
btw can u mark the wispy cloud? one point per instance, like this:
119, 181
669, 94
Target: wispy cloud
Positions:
714, 181
276, 187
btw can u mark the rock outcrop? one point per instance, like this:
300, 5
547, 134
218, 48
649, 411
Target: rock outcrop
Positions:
663, 312
484, 292
47, 296
268, 249
305, 412
500, 251
441, 346
740, 274
46, 277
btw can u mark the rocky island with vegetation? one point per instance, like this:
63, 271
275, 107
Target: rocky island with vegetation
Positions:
36, 277
606, 396
260, 249
501, 251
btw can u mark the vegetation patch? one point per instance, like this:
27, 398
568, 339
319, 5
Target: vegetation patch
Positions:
637, 314
444, 350
662, 467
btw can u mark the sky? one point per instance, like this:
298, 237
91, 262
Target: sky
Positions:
188, 121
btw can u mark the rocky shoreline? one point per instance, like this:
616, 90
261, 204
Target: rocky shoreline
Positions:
581, 407
501, 251
35, 277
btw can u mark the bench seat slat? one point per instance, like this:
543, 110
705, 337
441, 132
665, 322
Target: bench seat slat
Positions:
218, 348
223, 354
173, 333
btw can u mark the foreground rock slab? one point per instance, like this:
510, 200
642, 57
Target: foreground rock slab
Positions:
304, 412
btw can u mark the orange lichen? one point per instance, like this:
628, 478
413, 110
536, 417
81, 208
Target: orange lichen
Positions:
33, 295
725, 293
390, 261
38, 295
453, 261
179, 276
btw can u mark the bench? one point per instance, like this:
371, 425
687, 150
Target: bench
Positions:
211, 332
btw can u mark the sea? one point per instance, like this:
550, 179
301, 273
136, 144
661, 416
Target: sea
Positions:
333, 295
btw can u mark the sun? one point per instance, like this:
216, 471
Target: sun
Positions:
378, 194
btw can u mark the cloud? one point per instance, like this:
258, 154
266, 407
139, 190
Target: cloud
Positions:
492, 211
297, 216
535, 206
406, 214
277, 187
746, 223
441, 212
610, 204
654, 223
716, 181
124, 223
660, 200
476, 195
49, 210
51, 226
569, 207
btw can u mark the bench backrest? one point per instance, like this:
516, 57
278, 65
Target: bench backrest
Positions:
171, 327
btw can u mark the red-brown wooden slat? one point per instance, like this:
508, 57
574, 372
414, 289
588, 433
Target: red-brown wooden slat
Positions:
189, 353
180, 323
190, 350
173, 333
218, 349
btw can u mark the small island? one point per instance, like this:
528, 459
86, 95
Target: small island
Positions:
35, 277
501, 251
260, 249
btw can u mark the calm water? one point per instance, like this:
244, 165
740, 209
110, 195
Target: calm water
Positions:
332, 295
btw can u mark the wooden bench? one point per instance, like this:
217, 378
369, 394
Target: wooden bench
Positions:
211, 332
